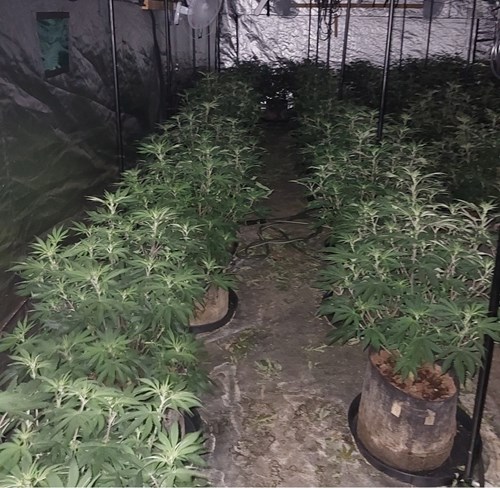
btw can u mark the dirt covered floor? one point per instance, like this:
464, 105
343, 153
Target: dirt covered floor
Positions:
277, 415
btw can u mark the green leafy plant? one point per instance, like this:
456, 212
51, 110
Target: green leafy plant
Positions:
105, 366
106, 430
417, 287
408, 269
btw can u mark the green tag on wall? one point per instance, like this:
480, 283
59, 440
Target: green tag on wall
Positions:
53, 34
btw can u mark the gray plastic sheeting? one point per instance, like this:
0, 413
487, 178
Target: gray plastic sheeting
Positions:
272, 38
57, 135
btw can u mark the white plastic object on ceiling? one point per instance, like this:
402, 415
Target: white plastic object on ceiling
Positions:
200, 13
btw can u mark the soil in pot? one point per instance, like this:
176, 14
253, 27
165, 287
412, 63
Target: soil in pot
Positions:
409, 425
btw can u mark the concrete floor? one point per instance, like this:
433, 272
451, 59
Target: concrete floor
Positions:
277, 415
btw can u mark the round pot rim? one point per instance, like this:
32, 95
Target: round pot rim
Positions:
404, 393
210, 327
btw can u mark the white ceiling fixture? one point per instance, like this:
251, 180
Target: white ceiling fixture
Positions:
200, 13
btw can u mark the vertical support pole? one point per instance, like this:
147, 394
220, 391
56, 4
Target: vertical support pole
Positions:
116, 86
193, 50
427, 48
237, 25
208, 48
471, 34
168, 53
217, 43
329, 34
344, 49
318, 30
309, 32
387, 64
403, 26
484, 372
474, 51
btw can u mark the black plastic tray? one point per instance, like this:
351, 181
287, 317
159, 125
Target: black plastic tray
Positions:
231, 310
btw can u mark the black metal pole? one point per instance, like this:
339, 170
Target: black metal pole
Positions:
429, 32
116, 86
193, 49
318, 30
387, 64
484, 372
217, 44
329, 34
309, 33
471, 35
344, 49
208, 47
237, 28
168, 54
403, 26
474, 51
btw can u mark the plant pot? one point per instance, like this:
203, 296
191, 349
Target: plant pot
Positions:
216, 309
402, 429
446, 474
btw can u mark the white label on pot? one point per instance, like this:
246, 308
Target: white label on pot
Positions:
431, 417
396, 409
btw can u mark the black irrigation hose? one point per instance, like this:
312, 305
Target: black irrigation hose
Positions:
285, 238
296, 216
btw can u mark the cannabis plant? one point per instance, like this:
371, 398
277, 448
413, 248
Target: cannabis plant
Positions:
104, 366
409, 269
112, 435
414, 279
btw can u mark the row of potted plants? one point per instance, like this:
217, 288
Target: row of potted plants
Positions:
104, 369
452, 107
407, 273
444, 104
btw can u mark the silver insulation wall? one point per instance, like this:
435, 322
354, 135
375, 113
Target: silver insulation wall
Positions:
57, 135
272, 38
